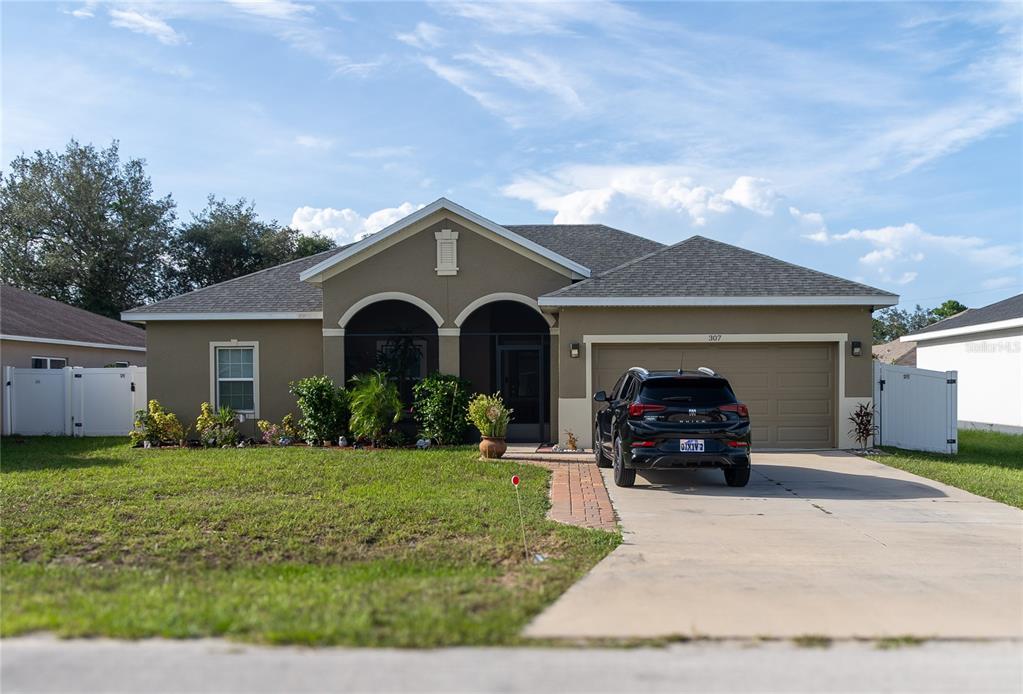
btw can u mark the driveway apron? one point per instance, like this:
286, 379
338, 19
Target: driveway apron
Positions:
823, 543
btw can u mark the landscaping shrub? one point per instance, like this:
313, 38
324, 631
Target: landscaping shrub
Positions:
278, 434
375, 406
157, 426
216, 429
489, 415
862, 419
324, 408
440, 408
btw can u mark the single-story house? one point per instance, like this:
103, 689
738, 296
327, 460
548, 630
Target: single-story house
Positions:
544, 314
985, 346
40, 333
896, 352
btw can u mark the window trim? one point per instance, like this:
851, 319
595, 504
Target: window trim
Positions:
48, 360
236, 344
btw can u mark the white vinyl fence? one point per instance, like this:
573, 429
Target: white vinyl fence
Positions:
72, 401
915, 408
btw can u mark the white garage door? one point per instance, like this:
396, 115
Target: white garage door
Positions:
789, 388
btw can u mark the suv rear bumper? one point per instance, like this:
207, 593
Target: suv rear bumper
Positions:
659, 460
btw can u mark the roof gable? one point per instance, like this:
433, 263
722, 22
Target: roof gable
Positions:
28, 315
700, 272
367, 247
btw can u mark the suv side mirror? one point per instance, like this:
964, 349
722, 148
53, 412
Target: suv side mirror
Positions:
600, 396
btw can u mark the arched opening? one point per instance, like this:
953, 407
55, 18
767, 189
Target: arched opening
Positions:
505, 347
393, 336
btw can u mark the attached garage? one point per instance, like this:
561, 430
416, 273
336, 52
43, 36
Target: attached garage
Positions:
790, 388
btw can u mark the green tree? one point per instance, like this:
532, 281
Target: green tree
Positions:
947, 309
892, 323
84, 228
227, 240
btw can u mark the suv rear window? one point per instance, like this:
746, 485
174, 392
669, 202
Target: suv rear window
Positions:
699, 392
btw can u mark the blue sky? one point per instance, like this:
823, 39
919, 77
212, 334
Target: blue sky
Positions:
880, 142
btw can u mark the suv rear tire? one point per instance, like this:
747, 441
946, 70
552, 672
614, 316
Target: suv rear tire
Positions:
737, 476
598, 450
624, 477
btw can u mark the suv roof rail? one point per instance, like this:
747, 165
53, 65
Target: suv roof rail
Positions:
640, 369
708, 371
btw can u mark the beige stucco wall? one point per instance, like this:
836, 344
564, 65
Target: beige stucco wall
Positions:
19, 354
484, 267
178, 374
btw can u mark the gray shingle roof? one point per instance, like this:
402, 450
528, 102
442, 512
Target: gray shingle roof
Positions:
276, 289
1007, 309
597, 246
26, 314
703, 267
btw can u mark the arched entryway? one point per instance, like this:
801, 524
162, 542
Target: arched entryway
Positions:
505, 347
395, 336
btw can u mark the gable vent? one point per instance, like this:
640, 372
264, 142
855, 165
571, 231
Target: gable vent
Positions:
447, 252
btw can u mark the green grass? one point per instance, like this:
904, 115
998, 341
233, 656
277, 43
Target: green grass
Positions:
310, 546
989, 464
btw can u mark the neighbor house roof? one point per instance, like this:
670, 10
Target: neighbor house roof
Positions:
1007, 313
896, 352
701, 271
28, 317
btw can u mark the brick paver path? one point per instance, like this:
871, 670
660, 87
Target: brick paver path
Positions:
578, 495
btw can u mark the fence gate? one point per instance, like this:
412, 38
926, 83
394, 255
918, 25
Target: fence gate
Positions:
916, 408
73, 401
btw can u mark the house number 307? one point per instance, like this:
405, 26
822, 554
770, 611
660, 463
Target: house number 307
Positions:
714, 338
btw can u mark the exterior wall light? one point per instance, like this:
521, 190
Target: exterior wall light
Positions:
857, 348
573, 350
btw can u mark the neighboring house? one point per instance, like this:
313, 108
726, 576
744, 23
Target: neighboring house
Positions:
985, 345
545, 314
896, 352
40, 333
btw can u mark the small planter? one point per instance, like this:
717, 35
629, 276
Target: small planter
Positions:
493, 447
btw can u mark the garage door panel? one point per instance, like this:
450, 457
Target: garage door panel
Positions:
790, 389
799, 407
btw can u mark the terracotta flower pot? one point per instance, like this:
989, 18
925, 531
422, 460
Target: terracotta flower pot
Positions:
493, 447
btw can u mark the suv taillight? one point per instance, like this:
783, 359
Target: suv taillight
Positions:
638, 409
738, 408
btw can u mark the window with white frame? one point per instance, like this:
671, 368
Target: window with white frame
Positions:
447, 252
48, 362
235, 369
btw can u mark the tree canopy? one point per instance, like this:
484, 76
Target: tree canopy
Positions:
85, 228
892, 323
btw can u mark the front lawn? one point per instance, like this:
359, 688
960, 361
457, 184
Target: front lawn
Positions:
989, 464
297, 545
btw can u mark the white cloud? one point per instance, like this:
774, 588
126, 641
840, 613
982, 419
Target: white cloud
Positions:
531, 71
541, 17
272, 9
579, 194
313, 142
387, 152
347, 225
86, 11
425, 35
133, 20
813, 223
754, 194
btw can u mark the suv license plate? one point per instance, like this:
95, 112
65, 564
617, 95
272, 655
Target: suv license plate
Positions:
691, 445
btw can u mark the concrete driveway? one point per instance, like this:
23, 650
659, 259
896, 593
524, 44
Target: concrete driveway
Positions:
818, 543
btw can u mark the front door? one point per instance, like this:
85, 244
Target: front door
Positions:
520, 375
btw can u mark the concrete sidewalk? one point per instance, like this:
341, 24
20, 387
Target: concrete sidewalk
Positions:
818, 543
40, 664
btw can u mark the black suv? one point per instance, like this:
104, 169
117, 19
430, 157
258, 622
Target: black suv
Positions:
672, 419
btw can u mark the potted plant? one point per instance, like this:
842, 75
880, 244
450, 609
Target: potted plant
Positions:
489, 415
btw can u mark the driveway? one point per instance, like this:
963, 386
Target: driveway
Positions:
818, 543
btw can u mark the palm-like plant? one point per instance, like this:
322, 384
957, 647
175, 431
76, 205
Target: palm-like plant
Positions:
375, 405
